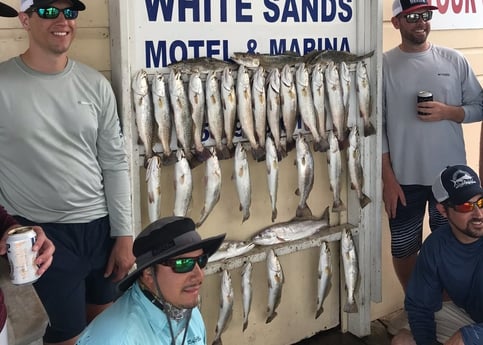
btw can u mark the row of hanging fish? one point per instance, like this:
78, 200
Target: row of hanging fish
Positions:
276, 280
261, 94
304, 161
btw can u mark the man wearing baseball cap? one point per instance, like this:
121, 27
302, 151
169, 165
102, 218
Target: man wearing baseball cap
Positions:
159, 304
411, 154
7, 11
72, 176
449, 264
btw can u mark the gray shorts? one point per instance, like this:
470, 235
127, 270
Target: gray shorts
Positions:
449, 320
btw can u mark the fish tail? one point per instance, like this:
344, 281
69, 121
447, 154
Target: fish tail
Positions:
338, 206
203, 155
322, 145
319, 311
223, 152
304, 211
168, 159
245, 325
350, 307
217, 341
281, 153
271, 317
274, 214
369, 129
258, 154
364, 200
290, 144
246, 215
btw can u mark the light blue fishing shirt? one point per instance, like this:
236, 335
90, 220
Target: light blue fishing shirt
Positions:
134, 320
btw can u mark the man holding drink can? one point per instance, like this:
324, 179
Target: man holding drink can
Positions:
417, 146
43, 246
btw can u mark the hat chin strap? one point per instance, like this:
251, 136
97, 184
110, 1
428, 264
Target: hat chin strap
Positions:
169, 309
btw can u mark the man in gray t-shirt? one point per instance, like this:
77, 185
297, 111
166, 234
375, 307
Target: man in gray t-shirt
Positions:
416, 147
63, 166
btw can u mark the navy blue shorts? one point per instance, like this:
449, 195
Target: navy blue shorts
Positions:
76, 276
407, 226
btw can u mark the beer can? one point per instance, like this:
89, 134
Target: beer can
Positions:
424, 96
21, 257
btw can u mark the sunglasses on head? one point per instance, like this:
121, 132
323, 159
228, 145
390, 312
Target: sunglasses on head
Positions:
414, 17
53, 12
468, 206
184, 265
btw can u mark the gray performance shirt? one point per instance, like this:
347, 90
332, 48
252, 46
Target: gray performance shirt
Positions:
420, 150
62, 154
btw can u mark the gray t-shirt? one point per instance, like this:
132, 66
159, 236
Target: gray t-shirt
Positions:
420, 150
62, 155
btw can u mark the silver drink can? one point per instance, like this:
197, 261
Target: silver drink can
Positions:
21, 257
424, 96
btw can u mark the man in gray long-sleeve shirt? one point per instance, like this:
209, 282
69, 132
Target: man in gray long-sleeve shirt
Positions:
416, 147
63, 166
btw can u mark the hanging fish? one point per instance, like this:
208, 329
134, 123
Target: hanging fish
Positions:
318, 92
274, 110
183, 122
305, 103
228, 101
336, 102
363, 89
271, 160
351, 269
355, 167
334, 164
259, 100
324, 276
215, 115
247, 291
153, 180
212, 181
143, 111
162, 115
275, 284
183, 185
241, 175
226, 306
231, 249
305, 174
288, 103
196, 97
245, 111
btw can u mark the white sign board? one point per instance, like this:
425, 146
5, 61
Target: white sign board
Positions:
457, 14
168, 31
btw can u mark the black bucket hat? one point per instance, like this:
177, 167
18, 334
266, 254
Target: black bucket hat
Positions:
164, 239
7, 11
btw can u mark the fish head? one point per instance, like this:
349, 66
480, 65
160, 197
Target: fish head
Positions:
158, 85
354, 136
246, 59
302, 75
140, 82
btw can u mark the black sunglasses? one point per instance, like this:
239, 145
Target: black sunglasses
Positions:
414, 17
53, 12
184, 265
468, 206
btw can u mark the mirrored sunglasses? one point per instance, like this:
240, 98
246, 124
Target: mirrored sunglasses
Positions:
468, 206
414, 17
184, 265
54, 12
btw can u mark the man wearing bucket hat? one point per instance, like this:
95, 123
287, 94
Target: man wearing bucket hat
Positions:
159, 305
450, 264
413, 152
63, 166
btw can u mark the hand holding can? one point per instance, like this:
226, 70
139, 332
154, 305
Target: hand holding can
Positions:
21, 257
424, 96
